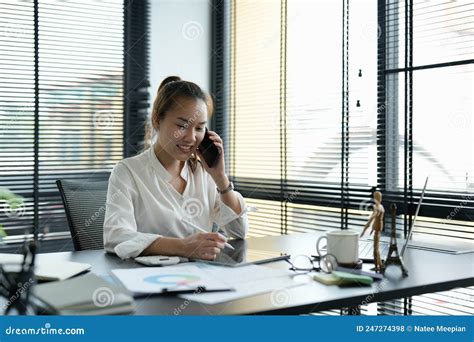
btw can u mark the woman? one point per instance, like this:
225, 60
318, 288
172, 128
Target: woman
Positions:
152, 195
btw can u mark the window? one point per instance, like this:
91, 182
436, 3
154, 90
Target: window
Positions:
287, 75
64, 92
325, 100
426, 114
427, 79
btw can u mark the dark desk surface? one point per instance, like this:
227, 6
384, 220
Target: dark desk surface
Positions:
428, 272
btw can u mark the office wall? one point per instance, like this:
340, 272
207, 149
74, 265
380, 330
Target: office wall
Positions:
180, 41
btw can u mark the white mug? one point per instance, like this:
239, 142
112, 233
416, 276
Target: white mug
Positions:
343, 244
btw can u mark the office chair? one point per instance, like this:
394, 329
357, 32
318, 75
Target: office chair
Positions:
84, 204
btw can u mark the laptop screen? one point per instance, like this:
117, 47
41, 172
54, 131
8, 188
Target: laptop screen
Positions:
410, 231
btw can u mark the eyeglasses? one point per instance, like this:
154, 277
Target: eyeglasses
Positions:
302, 264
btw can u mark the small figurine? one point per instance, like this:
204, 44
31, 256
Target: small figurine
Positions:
376, 219
393, 257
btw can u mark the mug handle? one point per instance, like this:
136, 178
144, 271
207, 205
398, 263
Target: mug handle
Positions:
318, 243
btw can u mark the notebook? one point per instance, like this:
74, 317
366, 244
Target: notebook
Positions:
45, 270
88, 294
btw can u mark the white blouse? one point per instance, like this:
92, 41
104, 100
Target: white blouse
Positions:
142, 205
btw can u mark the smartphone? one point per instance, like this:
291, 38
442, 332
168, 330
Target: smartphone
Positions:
209, 151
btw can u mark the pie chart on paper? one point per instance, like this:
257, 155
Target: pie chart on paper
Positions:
172, 279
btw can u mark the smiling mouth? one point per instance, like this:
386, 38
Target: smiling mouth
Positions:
185, 148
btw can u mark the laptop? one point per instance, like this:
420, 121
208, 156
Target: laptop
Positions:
366, 246
242, 255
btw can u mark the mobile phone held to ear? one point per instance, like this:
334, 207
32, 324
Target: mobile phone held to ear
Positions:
209, 151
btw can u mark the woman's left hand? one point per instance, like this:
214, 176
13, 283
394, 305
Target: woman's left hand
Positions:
217, 171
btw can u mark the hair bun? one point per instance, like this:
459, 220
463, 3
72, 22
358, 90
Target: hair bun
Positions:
167, 80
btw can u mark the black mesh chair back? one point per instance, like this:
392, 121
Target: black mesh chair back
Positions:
84, 203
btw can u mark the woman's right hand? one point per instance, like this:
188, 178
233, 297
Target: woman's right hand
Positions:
204, 245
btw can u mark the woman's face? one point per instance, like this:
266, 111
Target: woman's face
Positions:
183, 127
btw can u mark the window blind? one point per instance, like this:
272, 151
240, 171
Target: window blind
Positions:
280, 112
425, 120
285, 110
313, 121
62, 105
17, 112
254, 130
427, 44
80, 80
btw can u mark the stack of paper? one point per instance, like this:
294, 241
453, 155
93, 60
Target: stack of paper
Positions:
247, 281
206, 283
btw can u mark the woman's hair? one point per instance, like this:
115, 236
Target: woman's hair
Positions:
170, 90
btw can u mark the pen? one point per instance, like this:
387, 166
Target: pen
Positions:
202, 230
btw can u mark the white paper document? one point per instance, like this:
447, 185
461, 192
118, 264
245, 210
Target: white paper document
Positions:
182, 277
247, 281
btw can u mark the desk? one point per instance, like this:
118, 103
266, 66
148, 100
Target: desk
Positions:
428, 272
